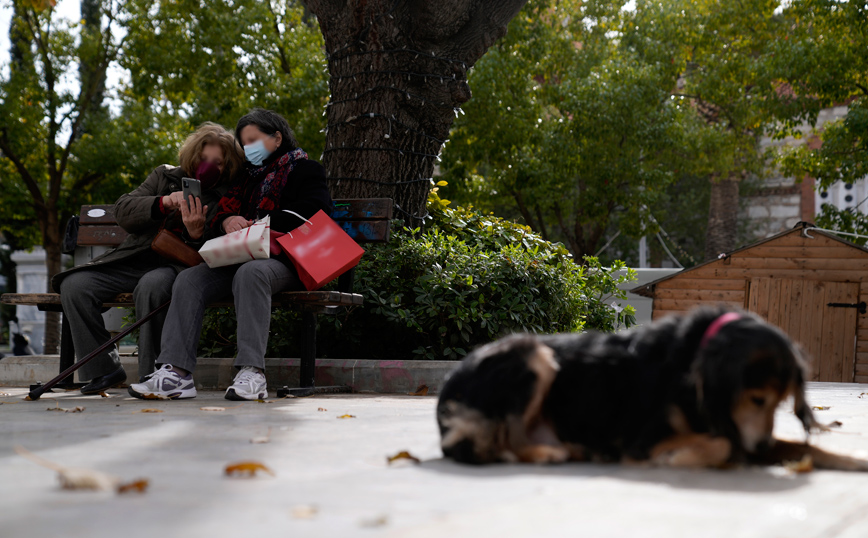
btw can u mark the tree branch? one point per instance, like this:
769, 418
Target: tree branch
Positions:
281, 51
31, 183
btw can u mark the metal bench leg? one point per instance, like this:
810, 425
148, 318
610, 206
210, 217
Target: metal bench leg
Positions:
307, 364
67, 354
308, 350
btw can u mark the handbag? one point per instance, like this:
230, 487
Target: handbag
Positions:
251, 243
172, 247
320, 250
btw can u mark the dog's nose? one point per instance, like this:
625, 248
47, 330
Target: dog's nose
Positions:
462, 451
763, 446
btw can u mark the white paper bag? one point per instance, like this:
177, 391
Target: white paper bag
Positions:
251, 243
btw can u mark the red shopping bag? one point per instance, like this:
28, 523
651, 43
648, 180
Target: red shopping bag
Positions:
320, 250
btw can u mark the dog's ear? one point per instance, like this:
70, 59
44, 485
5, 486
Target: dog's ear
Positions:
718, 378
800, 404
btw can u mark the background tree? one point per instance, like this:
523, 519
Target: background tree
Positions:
42, 119
397, 78
582, 135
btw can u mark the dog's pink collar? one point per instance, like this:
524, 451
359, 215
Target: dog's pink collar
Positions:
716, 326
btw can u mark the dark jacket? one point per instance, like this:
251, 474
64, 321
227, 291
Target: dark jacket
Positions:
305, 193
135, 212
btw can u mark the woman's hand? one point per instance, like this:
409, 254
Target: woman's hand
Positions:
235, 223
173, 201
194, 217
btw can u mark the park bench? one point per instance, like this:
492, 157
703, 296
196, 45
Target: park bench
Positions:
366, 220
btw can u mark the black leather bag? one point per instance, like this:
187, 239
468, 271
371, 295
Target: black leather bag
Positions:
70, 238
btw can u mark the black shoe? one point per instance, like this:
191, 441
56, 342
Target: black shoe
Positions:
105, 382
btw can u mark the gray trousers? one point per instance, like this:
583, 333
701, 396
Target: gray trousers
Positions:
252, 283
83, 292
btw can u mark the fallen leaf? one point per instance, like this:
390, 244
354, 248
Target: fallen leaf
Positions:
304, 511
863, 394
138, 486
248, 468
347, 416
150, 410
262, 440
76, 409
212, 409
403, 455
378, 521
821, 407
322, 409
421, 390
73, 478
805, 465
836, 424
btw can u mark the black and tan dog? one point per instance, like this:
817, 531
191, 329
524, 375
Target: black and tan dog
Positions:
693, 391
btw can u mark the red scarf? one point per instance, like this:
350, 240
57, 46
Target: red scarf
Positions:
259, 188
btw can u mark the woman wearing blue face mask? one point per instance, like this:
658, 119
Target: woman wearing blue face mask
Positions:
278, 177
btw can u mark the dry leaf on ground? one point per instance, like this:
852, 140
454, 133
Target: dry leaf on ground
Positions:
85, 479
137, 486
247, 468
821, 407
149, 410
304, 511
379, 521
805, 465
403, 455
212, 409
322, 409
347, 416
76, 409
863, 394
421, 390
262, 440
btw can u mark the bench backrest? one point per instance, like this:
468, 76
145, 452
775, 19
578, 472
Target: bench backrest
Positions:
367, 220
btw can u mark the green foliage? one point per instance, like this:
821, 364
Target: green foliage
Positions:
844, 220
214, 60
468, 279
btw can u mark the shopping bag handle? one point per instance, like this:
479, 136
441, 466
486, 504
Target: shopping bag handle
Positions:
297, 215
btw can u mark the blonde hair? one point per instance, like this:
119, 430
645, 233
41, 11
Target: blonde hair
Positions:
190, 154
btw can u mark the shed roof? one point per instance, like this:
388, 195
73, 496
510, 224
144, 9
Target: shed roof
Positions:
647, 290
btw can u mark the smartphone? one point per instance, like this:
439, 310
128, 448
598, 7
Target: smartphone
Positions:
190, 187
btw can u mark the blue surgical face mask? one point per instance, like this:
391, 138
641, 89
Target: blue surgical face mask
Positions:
256, 153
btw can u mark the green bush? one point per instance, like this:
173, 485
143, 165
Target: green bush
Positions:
465, 280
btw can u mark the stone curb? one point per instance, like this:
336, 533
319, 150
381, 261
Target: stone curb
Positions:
217, 374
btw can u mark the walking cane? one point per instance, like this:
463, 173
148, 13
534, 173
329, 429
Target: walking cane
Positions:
39, 391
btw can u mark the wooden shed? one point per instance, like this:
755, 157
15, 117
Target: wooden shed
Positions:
810, 283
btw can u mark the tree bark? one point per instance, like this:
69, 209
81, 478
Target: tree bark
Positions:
398, 75
52, 240
722, 230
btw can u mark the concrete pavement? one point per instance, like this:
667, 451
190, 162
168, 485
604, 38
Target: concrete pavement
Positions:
332, 479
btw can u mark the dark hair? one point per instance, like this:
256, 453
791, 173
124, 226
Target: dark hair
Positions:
269, 122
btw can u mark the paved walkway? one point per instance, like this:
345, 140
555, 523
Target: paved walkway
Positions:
332, 480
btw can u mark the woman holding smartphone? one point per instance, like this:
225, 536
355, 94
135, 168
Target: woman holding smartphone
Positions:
210, 155
278, 176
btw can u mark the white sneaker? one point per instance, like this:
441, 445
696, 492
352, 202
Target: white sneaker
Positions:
164, 384
249, 384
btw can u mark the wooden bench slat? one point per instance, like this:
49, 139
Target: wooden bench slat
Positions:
322, 298
363, 209
90, 214
367, 231
101, 235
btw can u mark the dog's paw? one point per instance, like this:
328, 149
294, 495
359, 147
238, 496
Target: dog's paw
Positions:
543, 454
692, 451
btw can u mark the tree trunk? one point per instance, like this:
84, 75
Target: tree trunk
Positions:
397, 78
722, 230
52, 241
